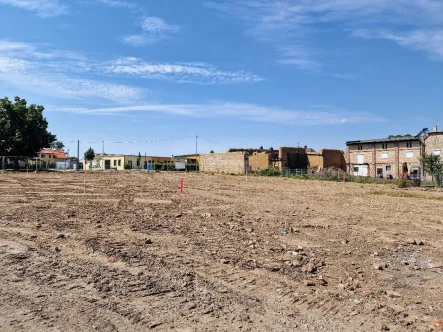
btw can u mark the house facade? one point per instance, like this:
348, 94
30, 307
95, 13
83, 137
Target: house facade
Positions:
51, 156
384, 158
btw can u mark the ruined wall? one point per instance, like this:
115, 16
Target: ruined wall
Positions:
333, 158
228, 162
259, 161
315, 160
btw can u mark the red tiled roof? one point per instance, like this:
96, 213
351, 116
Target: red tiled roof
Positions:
57, 153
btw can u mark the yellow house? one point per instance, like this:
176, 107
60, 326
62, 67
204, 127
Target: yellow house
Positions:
51, 156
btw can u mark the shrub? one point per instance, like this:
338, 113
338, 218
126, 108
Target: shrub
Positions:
270, 171
126, 166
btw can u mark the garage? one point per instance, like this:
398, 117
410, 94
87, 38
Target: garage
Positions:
361, 170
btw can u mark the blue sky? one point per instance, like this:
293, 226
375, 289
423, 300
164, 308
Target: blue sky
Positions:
241, 73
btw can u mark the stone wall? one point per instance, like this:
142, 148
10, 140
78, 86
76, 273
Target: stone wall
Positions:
228, 162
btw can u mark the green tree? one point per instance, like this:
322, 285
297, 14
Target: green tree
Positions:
24, 130
212, 151
431, 164
89, 154
57, 145
139, 158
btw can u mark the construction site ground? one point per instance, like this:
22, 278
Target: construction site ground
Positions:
125, 253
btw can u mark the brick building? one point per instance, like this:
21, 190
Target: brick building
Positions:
385, 157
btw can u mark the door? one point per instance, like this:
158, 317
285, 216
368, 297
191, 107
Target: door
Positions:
360, 158
107, 164
130, 164
297, 161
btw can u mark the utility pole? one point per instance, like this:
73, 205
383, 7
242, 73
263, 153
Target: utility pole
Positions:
78, 154
196, 144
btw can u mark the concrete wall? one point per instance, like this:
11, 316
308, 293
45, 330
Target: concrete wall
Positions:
229, 162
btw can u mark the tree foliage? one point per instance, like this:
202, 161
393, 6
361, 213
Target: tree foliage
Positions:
24, 130
89, 154
431, 164
139, 157
57, 145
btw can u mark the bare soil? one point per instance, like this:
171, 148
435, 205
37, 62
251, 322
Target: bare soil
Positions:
263, 254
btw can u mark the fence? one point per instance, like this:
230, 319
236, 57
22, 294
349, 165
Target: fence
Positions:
287, 171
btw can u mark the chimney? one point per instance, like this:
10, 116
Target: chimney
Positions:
434, 129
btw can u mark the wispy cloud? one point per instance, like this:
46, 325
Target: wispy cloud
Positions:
199, 73
289, 24
64, 74
429, 41
25, 66
154, 29
118, 3
30, 76
43, 8
250, 112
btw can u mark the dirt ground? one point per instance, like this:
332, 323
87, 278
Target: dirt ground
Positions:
263, 254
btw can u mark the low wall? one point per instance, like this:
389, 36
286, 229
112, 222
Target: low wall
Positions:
229, 162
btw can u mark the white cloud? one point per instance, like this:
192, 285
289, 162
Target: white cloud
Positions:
200, 73
43, 8
289, 23
249, 112
154, 29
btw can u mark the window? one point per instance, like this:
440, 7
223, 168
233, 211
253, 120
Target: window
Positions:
115, 162
119, 162
360, 147
384, 145
360, 158
379, 171
409, 154
384, 155
409, 144
435, 152
50, 156
355, 169
388, 168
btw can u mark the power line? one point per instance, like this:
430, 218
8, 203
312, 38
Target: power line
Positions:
132, 142
213, 142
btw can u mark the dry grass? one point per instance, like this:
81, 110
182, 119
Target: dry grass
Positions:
407, 194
